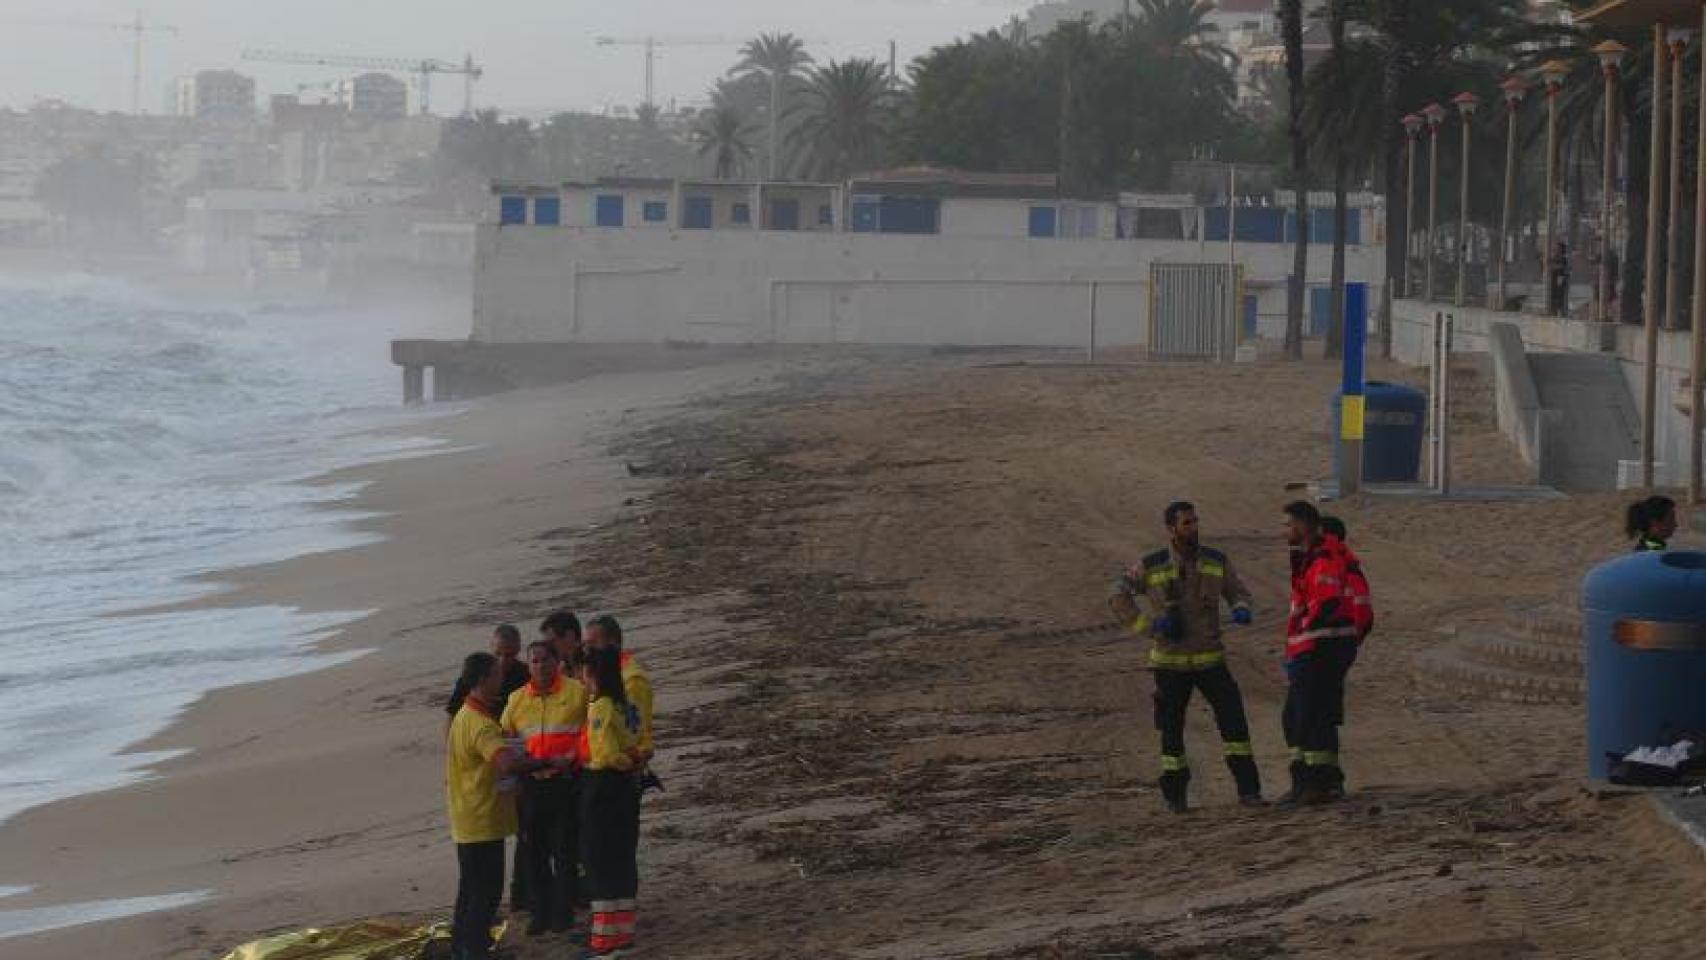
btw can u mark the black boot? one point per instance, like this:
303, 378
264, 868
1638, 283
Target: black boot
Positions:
1174, 788
1248, 778
1322, 784
1299, 774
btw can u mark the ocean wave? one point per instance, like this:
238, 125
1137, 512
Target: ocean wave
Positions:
145, 443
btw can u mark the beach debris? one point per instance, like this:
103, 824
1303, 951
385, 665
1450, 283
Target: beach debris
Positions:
364, 940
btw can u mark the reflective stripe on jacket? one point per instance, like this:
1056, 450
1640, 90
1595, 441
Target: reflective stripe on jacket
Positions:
548, 722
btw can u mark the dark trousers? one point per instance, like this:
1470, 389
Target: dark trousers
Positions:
1315, 706
479, 889
610, 834
610, 840
1173, 689
551, 854
520, 892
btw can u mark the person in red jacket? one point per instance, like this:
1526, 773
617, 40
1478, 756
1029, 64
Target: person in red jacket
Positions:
1356, 581
1320, 646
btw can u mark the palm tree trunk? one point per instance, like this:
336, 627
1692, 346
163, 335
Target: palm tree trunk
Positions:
1341, 174
1396, 72
1066, 171
1291, 18
775, 119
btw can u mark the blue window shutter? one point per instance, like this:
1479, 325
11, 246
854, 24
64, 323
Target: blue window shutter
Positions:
1043, 220
784, 214
609, 211
548, 212
907, 215
655, 211
741, 213
864, 216
826, 216
512, 211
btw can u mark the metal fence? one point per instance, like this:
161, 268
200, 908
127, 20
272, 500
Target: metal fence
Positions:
1194, 310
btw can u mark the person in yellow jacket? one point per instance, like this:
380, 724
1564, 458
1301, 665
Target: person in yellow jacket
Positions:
604, 633
609, 807
547, 714
1173, 598
481, 815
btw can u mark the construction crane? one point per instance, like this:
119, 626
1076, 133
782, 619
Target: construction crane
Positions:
651, 45
138, 28
424, 69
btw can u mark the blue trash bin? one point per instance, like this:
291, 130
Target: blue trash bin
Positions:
1394, 429
1645, 625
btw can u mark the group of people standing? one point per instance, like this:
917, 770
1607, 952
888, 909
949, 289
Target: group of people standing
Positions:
1173, 597
553, 750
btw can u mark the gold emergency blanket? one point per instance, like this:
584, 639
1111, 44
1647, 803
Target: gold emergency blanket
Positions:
367, 940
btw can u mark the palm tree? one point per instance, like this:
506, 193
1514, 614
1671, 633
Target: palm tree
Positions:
1172, 27
1179, 33
1411, 53
1291, 29
723, 133
777, 58
844, 116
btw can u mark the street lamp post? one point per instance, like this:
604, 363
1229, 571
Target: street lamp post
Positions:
1514, 90
1610, 55
1467, 103
1553, 73
1434, 114
1673, 238
1650, 292
1412, 129
1697, 337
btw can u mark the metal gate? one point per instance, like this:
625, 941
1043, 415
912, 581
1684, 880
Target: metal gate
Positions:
1194, 310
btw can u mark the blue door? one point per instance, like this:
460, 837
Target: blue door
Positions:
608, 212
1043, 220
1320, 310
1249, 317
784, 214
696, 214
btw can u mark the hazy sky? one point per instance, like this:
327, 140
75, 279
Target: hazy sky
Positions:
539, 54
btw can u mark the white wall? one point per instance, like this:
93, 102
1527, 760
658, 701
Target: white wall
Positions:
552, 285
986, 218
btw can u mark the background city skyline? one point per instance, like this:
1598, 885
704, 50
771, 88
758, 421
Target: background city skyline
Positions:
538, 56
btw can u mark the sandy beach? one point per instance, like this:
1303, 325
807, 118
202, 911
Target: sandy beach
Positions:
872, 590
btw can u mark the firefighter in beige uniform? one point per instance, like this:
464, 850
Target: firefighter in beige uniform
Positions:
1173, 597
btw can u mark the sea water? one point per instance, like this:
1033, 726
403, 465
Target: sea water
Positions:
145, 444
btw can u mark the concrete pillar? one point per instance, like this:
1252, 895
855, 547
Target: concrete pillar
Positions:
414, 385
443, 382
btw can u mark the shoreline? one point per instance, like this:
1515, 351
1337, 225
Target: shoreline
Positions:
455, 525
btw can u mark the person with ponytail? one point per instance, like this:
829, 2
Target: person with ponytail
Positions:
1651, 523
609, 811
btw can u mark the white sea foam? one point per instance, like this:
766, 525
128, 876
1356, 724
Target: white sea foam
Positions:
143, 445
